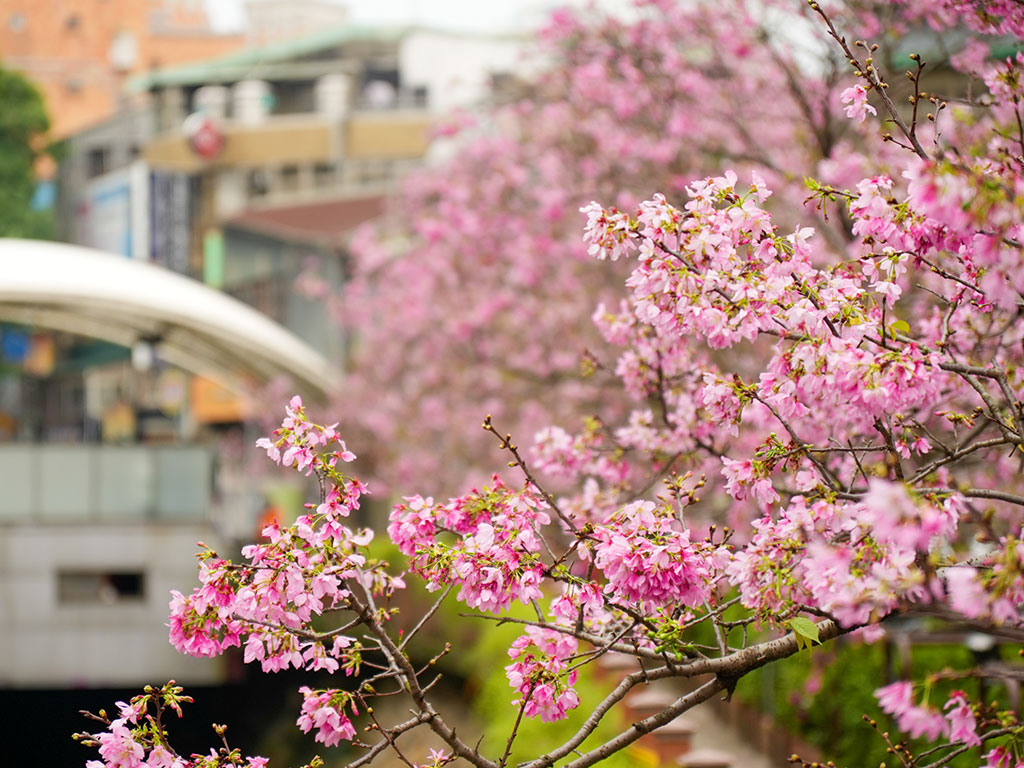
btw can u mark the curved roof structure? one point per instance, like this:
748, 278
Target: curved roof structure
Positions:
80, 290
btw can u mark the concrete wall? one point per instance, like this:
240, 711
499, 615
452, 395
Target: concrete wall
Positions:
58, 632
456, 69
92, 540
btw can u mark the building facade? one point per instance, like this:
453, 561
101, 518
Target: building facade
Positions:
80, 52
240, 173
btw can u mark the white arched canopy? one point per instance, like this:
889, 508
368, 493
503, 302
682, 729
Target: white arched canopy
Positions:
80, 290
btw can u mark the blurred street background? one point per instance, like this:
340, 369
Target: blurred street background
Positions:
170, 169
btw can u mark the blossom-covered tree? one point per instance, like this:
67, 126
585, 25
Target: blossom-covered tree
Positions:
472, 297
819, 436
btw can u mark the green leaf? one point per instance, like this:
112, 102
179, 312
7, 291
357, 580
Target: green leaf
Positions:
805, 631
900, 326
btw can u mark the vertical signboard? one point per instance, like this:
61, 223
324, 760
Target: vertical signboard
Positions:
170, 221
111, 216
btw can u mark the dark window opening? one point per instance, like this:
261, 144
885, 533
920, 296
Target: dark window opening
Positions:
388, 75
293, 97
104, 587
289, 178
324, 174
97, 162
256, 183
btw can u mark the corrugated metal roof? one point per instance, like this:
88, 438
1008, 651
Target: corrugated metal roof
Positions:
239, 65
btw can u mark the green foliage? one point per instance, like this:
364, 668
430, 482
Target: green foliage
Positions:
823, 702
23, 127
900, 326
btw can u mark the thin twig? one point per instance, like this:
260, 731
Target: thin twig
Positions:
506, 444
426, 617
869, 74
515, 727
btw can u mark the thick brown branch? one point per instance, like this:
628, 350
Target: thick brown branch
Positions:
645, 726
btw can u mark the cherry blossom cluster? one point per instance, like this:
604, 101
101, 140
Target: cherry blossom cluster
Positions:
955, 719
726, 274
496, 559
439, 303
438, 757
647, 559
857, 561
298, 573
137, 737
856, 100
281, 589
590, 453
542, 675
994, 17
994, 590
298, 442
324, 711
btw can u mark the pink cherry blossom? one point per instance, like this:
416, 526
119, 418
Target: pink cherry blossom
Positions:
322, 711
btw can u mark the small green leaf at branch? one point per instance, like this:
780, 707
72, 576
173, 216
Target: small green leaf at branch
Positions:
805, 631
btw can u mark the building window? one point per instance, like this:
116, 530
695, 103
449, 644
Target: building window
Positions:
17, 22
97, 161
256, 183
324, 175
292, 98
289, 178
100, 587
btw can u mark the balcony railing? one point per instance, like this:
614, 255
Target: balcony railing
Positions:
98, 484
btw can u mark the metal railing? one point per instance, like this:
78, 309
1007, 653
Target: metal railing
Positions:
99, 483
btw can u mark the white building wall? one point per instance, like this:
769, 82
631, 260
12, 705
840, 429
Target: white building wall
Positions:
456, 68
47, 642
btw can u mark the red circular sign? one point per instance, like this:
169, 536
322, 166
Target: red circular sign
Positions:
204, 134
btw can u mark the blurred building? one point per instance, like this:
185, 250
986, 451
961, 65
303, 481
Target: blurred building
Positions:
109, 479
79, 52
240, 170
124, 438
268, 21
